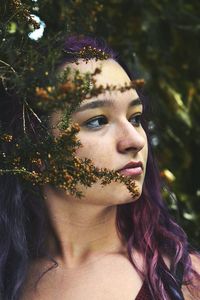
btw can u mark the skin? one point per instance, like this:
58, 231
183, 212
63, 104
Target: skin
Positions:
91, 255
111, 136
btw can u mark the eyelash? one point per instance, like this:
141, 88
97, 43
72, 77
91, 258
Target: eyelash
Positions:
137, 119
88, 123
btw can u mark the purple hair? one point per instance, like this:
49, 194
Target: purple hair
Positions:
74, 44
145, 223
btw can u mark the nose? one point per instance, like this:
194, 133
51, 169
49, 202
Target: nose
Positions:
130, 138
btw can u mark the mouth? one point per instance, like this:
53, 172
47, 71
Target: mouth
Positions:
132, 169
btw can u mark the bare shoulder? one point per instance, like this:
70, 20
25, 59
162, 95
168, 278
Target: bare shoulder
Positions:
36, 269
195, 262
194, 294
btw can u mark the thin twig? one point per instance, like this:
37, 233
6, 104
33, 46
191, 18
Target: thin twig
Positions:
6, 64
16, 171
30, 122
24, 119
17, 11
2, 78
32, 111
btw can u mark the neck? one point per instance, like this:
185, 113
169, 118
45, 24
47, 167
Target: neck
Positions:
81, 231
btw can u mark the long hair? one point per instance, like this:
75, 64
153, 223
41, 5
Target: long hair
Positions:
145, 223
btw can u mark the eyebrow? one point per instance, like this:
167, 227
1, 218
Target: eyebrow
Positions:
105, 103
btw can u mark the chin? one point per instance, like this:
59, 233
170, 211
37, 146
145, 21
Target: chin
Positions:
119, 194
108, 195
127, 196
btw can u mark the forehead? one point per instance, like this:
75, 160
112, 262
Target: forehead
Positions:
111, 72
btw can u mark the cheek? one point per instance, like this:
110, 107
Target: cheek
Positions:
92, 148
145, 149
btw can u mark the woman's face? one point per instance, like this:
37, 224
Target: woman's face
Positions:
111, 134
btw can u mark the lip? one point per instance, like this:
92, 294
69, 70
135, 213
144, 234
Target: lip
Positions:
132, 169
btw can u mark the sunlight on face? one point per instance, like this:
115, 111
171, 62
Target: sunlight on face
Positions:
111, 133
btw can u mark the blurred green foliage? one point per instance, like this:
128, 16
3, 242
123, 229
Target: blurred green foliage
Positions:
158, 38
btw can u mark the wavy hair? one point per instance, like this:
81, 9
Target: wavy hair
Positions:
145, 224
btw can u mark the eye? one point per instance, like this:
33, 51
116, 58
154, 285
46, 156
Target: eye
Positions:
135, 120
96, 122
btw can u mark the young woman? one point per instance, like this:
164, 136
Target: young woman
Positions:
109, 244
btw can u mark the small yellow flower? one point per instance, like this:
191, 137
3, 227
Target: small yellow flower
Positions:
67, 86
7, 138
42, 93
